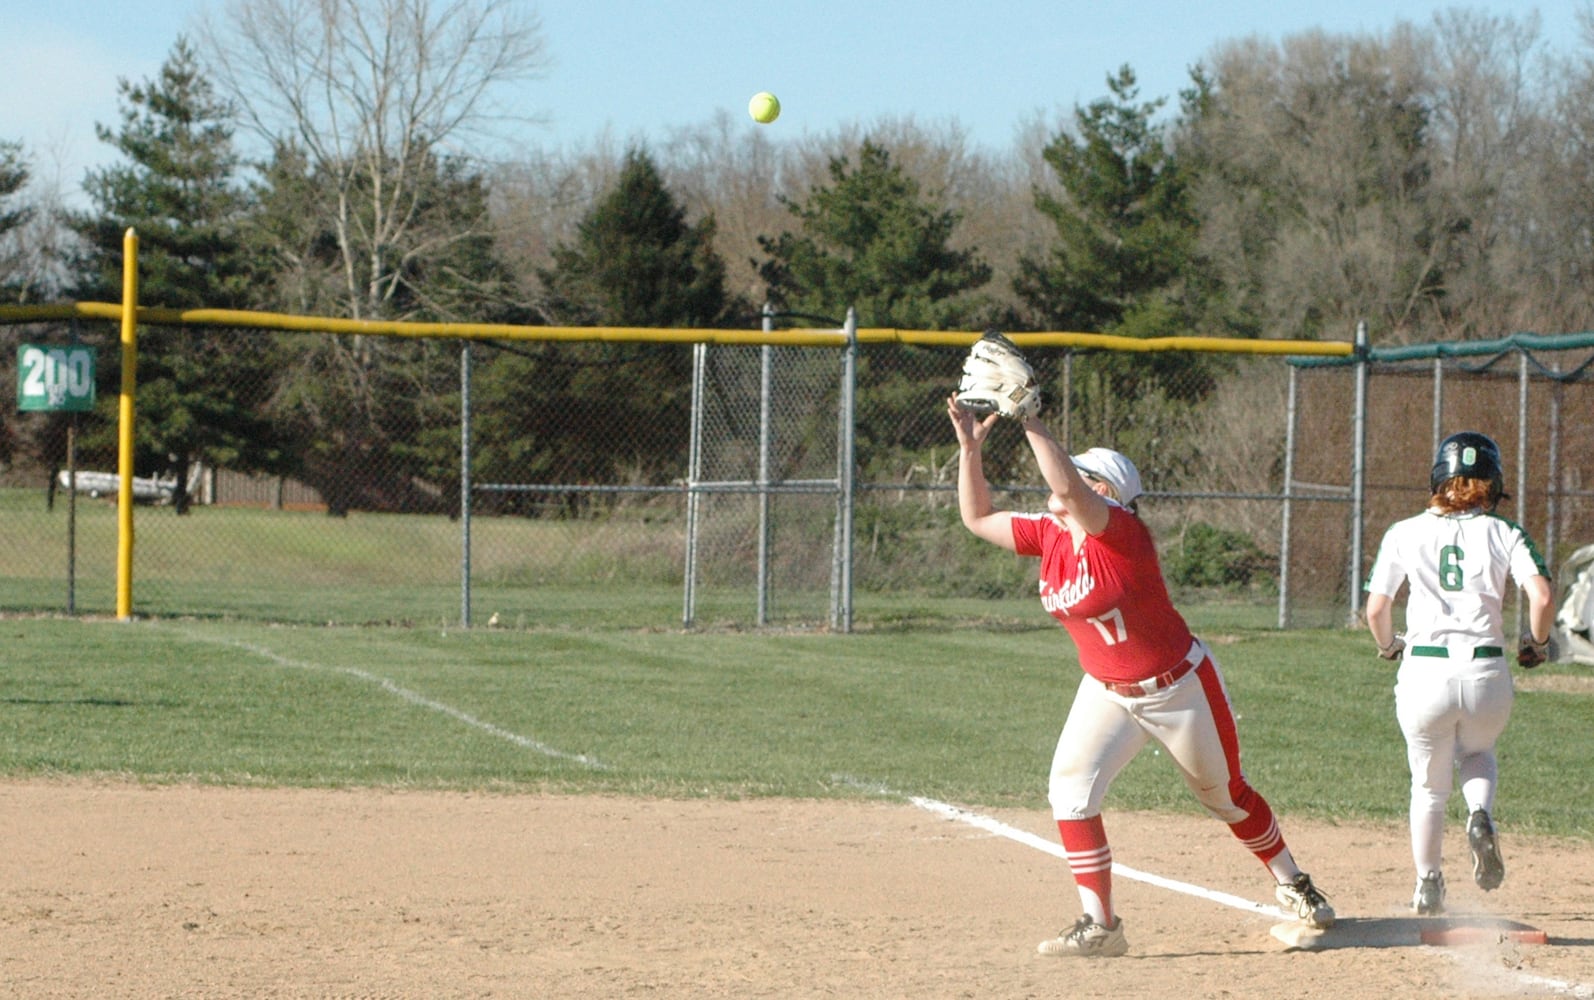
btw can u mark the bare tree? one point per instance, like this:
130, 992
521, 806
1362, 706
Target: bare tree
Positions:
374, 94
1314, 177
538, 203
737, 176
1387, 178
722, 168
1560, 175
992, 200
744, 180
35, 244
1488, 115
15, 214
374, 205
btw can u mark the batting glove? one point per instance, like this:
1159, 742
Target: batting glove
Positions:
1531, 652
1396, 646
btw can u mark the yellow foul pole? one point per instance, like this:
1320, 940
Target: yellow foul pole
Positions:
124, 463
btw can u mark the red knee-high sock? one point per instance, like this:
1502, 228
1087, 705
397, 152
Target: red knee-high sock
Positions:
1258, 831
1090, 859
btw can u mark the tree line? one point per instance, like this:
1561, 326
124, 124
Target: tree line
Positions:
1433, 180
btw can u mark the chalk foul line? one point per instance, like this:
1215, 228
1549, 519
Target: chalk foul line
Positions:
413, 697
1578, 991
991, 825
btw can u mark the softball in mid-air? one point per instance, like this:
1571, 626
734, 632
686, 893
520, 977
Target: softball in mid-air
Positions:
764, 107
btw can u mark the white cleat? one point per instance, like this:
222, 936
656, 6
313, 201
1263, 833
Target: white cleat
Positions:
1303, 899
1088, 939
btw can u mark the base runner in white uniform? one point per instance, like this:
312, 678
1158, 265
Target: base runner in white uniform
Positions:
1453, 691
1146, 677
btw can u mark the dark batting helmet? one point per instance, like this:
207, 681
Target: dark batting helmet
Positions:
1469, 454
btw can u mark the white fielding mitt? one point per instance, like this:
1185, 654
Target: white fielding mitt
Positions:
997, 379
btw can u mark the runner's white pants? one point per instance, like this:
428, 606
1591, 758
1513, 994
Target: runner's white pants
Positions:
1452, 713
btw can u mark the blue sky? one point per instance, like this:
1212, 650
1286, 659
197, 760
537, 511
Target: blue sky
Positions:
639, 68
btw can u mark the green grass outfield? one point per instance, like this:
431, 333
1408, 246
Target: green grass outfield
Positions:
967, 715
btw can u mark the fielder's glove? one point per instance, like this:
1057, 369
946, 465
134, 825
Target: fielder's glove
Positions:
1531, 653
1396, 646
997, 379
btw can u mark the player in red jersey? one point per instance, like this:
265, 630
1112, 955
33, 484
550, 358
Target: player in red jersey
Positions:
1146, 676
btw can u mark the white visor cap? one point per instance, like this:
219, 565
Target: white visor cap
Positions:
1113, 469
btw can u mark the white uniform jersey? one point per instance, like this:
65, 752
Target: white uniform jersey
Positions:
1457, 566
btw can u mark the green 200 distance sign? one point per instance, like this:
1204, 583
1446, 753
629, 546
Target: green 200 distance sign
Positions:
55, 378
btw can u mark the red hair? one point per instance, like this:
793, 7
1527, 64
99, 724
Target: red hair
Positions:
1462, 493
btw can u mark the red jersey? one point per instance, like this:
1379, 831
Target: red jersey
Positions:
1110, 595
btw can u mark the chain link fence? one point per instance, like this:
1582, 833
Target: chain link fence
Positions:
1366, 434
729, 485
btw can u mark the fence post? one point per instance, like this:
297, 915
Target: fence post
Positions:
694, 472
1522, 468
766, 361
1438, 403
1289, 495
125, 416
841, 596
1358, 473
1552, 474
71, 501
1068, 400
464, 483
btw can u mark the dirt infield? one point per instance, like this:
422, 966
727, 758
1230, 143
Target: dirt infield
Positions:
125, 891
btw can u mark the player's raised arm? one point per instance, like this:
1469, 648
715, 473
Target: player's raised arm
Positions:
974, 493
1069, 489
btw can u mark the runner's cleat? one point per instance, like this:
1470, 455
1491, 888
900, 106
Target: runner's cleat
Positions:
1488, 869
1429, 899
